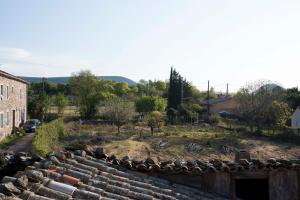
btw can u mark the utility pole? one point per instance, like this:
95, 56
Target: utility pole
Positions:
227, 91
208, 98
43, 85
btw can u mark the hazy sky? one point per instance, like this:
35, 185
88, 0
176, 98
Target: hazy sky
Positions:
223, 41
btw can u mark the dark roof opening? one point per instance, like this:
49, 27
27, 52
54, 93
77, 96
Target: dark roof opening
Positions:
249, 189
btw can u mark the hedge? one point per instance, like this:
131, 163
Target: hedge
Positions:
47, 135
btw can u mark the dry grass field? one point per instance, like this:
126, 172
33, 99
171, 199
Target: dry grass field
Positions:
176, 142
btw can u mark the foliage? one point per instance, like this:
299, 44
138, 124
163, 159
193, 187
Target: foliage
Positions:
213, 119
120, 112
38, 105
47, 135
182, 97
175, 93
154, 120
277, 114
172, 115
61, 102
148, 104
150, 88
293, 97
121, 89
189, 111
85, 88
254, 98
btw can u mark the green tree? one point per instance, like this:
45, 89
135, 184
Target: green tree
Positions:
292, 97
61, 102
175, 91
148, 104
85, 89
42, 106
151, 88
154, 120
121, 88
120, 112
277, 114
189, 112
182, 98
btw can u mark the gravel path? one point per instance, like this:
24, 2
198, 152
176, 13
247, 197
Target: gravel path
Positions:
23, 144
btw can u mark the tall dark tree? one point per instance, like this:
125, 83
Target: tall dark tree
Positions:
183, 99
175, 90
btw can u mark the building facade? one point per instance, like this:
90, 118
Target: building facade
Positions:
13, 103
296, 119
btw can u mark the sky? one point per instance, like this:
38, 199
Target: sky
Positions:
224, 41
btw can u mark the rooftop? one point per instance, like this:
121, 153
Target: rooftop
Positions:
10, 76
79, 176
94, 175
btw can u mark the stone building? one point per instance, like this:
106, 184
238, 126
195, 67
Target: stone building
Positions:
13, 103
228, 104
296, 119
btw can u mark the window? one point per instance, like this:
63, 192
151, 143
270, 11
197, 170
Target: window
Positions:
1, 89
7, 91
20, 94
1, 120
12, 89
7, 118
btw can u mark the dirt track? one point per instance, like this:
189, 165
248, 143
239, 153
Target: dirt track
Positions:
23, 144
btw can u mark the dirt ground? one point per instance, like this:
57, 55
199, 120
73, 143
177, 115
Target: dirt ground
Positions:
178, 142
24, 144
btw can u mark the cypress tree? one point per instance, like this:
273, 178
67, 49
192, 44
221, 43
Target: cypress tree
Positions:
175, 92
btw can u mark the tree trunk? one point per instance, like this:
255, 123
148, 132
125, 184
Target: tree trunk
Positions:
118, 130
151, 130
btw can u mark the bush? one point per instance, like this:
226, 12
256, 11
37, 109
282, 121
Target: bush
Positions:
47, 135
213, 119
241, 130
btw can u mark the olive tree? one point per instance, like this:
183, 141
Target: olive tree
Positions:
154, 120
148, 104
120, 112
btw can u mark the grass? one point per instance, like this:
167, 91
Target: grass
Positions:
128, 147
212, 141
69, 111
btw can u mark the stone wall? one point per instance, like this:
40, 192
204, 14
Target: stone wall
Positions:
218, 183
283, 183
13, 102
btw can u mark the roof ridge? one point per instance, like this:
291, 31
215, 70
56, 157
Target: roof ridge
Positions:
10, 76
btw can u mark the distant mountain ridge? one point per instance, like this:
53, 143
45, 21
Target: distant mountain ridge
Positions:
65, 79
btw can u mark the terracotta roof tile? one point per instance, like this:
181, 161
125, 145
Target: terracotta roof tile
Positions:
66, 176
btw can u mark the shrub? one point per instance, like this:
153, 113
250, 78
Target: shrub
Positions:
47, 135
213, 119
